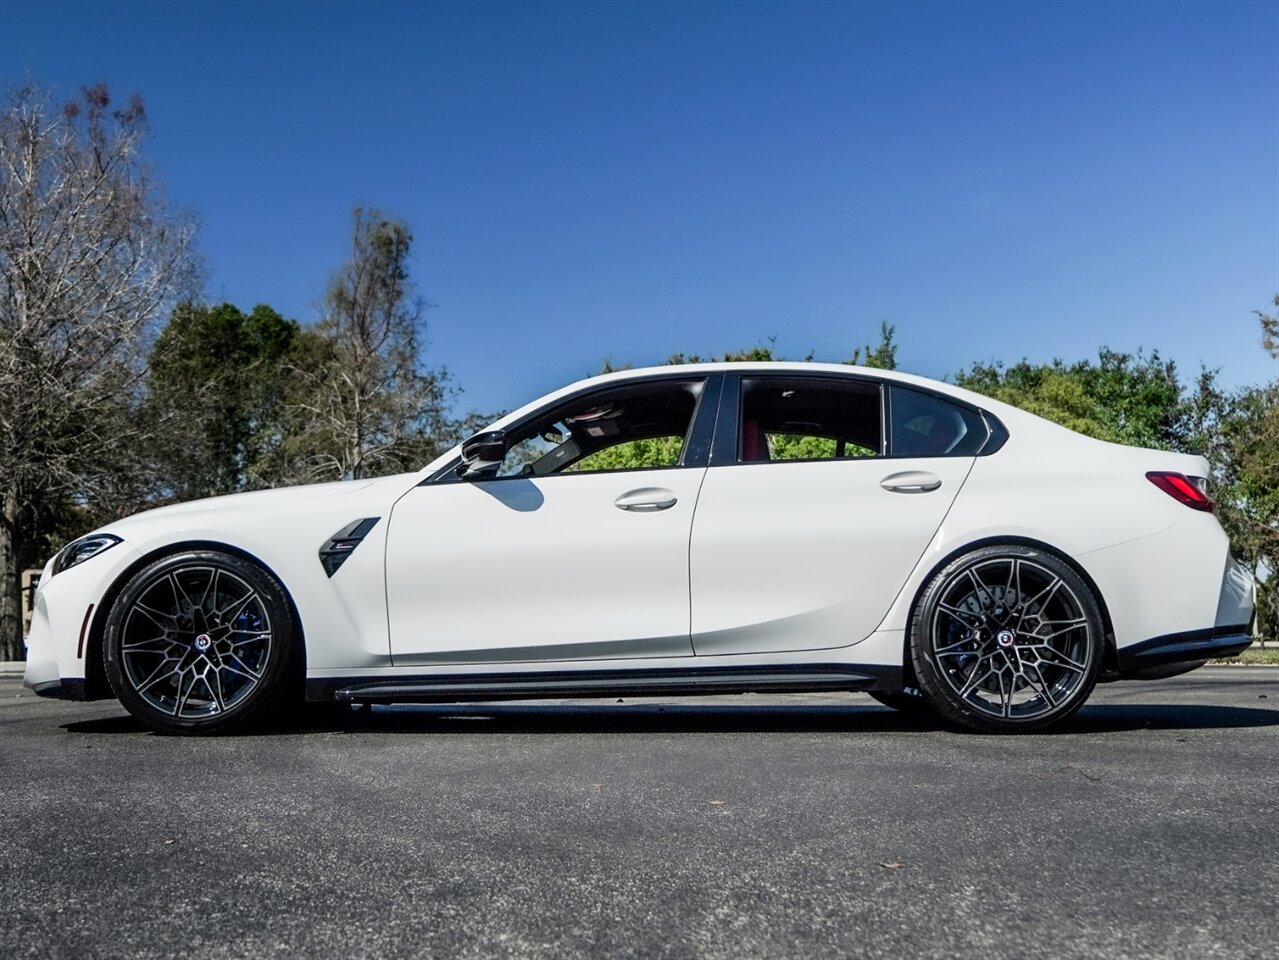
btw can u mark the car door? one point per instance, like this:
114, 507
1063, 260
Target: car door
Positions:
575, 547
812, 514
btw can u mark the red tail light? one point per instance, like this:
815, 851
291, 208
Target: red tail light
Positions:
1192, 491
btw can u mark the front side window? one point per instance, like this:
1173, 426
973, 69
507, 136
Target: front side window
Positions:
809, 418
926, 425
638, 427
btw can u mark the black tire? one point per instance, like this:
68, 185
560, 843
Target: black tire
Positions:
200, 642
909, 701
1007, 639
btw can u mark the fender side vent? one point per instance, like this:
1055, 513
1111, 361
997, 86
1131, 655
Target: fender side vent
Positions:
343, 543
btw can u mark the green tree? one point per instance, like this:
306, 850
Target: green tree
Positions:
883, 356
633, 454
1124, 398
756, 354
215, 390
1269, 329
1250, 438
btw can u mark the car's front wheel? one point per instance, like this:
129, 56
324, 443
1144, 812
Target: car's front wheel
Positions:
1007, 638
199, 642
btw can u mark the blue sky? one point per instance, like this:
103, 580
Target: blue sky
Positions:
592, 179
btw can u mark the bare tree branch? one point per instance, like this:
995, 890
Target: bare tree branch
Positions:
90, 258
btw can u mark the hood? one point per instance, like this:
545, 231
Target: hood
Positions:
264, 499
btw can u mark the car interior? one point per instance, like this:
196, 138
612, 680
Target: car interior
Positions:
809, 419
782, 419
571, 438
928, 426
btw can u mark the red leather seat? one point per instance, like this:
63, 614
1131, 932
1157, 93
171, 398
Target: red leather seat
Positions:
754, 442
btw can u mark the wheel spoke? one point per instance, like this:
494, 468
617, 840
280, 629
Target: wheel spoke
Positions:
216, 691
179, 594
1008, 584
1041, 686
210, 589
164, 621
951, 651
243, 669
159, 673
1057, 626
1040, 600
1070, 625
1005, 693
233, 610
966, 617
974, 679
180, 701
147, 646
1060, 659
982, 589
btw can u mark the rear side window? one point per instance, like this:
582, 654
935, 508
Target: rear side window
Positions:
808, 418
926, 425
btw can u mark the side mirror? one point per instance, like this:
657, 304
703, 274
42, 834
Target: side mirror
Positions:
482, 455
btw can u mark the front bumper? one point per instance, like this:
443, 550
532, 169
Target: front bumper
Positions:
62, 619
41, 673
63, 688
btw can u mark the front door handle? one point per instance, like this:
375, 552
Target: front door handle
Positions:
646, 500
911, 481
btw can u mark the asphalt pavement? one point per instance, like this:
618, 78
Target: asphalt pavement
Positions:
739, 827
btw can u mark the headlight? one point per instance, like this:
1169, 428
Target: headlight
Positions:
78, 551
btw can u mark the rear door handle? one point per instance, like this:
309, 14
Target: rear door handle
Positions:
911, 481
646, 500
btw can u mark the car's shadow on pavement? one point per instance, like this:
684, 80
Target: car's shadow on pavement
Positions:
607, 718
1167, 716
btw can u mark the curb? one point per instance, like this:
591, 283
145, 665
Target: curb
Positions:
12, 669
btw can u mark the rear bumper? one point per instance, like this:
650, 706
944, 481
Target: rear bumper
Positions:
1179, 652
1237, 602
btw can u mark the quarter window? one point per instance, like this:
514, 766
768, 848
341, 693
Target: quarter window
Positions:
926, 425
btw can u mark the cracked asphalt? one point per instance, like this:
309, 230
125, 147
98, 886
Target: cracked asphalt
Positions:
734, 827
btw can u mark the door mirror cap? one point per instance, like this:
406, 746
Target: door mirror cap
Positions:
482, 454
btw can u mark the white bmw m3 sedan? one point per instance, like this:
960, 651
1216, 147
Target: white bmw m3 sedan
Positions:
711, 528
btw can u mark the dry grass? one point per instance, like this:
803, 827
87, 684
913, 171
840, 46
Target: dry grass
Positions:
1270, 655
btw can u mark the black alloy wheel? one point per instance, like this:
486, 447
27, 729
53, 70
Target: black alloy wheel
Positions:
199, 642
1007, 639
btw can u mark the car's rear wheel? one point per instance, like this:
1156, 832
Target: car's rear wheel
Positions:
199, 642
1006, 639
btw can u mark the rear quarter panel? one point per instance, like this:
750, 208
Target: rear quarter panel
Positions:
1156, 563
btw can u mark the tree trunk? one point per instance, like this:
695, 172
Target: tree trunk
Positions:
11, 646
